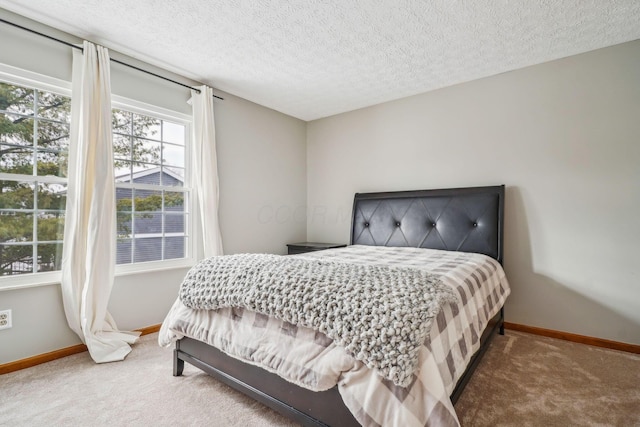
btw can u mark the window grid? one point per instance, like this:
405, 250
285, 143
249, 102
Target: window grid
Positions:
137, 237
43, 144
34, 180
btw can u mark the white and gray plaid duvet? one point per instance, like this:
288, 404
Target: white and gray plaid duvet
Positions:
312, 360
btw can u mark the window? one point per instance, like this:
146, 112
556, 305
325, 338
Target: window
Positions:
150, 163
34, 141
151, 190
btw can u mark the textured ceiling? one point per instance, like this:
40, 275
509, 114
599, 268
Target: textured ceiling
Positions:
312, 59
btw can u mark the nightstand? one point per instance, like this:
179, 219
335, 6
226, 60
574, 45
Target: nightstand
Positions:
302, 247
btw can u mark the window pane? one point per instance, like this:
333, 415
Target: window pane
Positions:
174, 247
122, 171
52, 196
49, 257
16, 259
123, 224
147, 249
53, 136
146, 174
147, 127
52, 163
121, 149
16, 130
14, 159
147, 223
123, 251
16, 227
173, 155
124, 199
146, 151
148, 201
16, 99
124, 206
16, 195
54, 107
50, 226
173, 177
173, 132
174, 201
174, 223
121, 121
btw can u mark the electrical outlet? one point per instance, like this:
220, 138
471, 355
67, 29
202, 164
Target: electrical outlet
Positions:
5, 319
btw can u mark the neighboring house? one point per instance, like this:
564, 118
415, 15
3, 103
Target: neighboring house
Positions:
154, 233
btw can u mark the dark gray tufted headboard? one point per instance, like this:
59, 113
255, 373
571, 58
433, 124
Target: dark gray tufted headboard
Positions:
458, 219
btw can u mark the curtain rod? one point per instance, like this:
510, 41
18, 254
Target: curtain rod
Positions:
114, 60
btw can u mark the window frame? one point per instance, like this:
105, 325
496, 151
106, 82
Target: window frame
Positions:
18, 76
190, 247
40, 82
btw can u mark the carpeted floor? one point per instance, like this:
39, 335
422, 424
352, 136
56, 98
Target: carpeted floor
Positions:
523, 380
528, 380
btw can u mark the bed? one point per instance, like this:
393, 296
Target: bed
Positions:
441, 230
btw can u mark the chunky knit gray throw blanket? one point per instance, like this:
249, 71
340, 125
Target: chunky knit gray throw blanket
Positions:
380, 315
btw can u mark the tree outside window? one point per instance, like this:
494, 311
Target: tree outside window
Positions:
34, 142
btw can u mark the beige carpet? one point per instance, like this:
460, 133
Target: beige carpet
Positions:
528, 380
523, 380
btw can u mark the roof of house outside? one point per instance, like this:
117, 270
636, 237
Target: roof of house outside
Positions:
127, 177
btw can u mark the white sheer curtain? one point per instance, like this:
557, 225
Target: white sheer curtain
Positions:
205, 169
88, 259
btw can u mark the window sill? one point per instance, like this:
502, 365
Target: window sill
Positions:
53, 278
153, 266
12, 283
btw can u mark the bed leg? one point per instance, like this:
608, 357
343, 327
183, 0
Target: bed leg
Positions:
178, 364
502, 321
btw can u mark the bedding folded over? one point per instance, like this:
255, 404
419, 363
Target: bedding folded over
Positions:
381, 315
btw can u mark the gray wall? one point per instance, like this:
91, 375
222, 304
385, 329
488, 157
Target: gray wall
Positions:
263, 177
563, 136
261, 160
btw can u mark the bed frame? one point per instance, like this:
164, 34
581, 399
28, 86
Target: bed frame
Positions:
461, 219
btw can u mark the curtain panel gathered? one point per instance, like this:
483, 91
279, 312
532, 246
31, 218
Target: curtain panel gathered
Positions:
205, 169
88, 260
